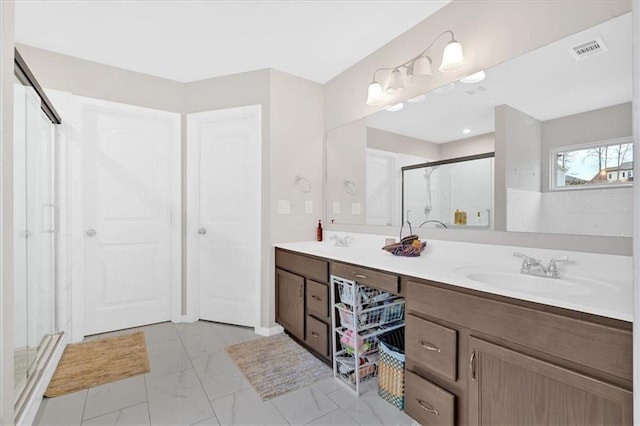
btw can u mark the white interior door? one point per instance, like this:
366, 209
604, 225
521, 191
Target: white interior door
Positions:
224, 205
129, 199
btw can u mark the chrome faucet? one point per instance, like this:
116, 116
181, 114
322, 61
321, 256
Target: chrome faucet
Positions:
531, 266
341, 242
433, 221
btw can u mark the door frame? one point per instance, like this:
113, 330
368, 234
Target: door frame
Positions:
77, 229
192, 189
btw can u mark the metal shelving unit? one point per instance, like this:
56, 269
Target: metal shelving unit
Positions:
359, 314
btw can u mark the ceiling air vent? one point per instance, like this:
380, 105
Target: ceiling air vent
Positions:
590, 48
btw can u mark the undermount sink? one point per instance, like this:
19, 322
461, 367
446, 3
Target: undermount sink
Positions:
516, 281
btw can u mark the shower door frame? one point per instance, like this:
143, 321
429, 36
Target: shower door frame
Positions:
27, 403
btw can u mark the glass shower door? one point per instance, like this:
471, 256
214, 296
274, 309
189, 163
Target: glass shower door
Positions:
34, 239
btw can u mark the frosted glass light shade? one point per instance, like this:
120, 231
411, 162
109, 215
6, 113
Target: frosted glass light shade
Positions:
474, 78
422, 67
396, 82
375, 95
452, 58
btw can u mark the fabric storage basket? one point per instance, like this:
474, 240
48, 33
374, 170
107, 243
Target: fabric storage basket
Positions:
391, 368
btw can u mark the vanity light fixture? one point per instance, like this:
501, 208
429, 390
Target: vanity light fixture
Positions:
395, 107
416, 68
474, 78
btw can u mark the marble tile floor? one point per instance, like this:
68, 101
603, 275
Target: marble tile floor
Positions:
194, 382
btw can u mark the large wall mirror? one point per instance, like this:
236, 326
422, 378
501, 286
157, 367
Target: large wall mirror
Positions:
559, 120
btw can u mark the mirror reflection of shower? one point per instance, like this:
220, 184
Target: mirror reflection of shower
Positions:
427, 177
451, 193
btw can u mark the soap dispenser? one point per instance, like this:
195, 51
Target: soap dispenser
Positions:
319, 231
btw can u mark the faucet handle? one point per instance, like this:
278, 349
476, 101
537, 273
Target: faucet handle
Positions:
527, 262
526, 259
552, 270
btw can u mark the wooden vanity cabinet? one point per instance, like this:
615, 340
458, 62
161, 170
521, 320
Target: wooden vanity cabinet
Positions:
290, 302
495, 361
302, 300
511, 388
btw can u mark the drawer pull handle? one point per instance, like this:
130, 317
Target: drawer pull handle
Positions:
428, 409
472, 365
314, 297
429, 346
314, 334
362, 277
300, 290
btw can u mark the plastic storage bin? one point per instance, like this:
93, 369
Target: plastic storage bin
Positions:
391, 367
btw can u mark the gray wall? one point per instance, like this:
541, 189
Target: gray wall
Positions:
519, 137
592, 126
346, 160
393, 142
6, 211
518, 140
480, 144
636, 208
91, 79
297, 149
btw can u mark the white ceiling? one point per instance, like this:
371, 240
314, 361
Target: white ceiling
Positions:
546, 83
193, 40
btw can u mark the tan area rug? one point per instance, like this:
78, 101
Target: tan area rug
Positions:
84, 365
276, 365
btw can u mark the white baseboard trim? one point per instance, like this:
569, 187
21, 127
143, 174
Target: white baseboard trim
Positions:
269, 331
184, 318
32, 405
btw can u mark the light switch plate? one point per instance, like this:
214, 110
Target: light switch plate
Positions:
336, 207
308, 206
355, 208
284, 207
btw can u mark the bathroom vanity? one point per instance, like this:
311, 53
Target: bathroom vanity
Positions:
477, 353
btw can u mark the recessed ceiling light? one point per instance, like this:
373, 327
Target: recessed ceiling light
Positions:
474, 78
466, 131
418, 98
395, 107
444, 89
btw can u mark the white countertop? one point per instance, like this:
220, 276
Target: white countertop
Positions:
604, 282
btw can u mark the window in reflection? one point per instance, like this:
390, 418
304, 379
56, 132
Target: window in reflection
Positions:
602, 164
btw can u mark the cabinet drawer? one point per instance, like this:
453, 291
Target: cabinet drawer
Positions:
432, 346
427, 403
318, 298
376, 279
309, 267
317, 336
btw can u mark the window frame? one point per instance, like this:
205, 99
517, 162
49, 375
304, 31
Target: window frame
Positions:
553, 167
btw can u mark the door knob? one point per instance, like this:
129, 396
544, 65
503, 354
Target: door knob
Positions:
202, 231
91, 232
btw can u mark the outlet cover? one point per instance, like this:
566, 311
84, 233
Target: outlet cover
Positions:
336, 207
308, 206
355, 208
284, 207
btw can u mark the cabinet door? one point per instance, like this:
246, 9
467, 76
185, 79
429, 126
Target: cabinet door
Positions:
509, 388
290, 302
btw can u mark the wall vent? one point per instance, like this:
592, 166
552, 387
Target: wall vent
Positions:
589, 48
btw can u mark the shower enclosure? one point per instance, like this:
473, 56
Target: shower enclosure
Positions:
34, 237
